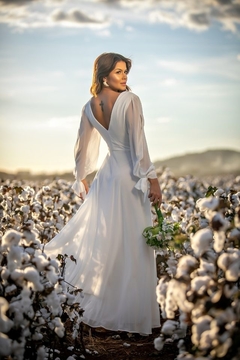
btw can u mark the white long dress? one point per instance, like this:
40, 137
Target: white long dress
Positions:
115, 268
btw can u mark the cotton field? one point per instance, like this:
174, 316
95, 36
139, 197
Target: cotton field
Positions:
198, 263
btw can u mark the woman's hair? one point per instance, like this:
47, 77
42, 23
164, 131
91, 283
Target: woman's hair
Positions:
103, 65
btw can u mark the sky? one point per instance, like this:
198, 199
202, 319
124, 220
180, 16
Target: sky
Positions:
186, 71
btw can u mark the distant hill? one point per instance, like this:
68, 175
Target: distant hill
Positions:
207, 163
210, 162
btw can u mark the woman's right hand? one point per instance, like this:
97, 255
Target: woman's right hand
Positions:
155, 193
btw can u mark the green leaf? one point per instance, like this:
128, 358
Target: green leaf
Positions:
210, 191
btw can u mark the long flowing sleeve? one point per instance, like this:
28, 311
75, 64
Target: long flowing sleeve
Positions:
86, 152
143, 168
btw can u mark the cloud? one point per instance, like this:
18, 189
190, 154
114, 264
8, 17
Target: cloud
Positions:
14, 3
24, 14
192, 14
75, 16
198, 15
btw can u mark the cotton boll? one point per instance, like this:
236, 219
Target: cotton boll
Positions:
214, 292
41, 353
36, 206
41, 262
5, 323
29, 237
30, 224
25, 258
30, 251
200, 283
45, 314
234, 199
11, 238
18, 276
32, 275
59, 226
230, 290
186, 265
230, 263
37, 336
200, 241
226, 316
210, 203
55, 263
159, 343
58, 204
14, 257
51, 275
219, 223
169, 327
201, 324
219, 192
170, 303
237, 217
221, 350
70, 299
176, 298
25, 209
5, 345
46, 190
48, 203
58, 326
5, 273
10, 290
53, 303
175, 214
206, 268
233, 272
235, 235
172, 264
18, 348
208, 338
182, 329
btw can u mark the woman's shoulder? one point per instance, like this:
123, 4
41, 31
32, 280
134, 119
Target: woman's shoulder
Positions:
130, 96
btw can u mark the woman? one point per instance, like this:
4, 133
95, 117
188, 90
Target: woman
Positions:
115, 268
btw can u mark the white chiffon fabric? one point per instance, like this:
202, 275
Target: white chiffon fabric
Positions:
115, 268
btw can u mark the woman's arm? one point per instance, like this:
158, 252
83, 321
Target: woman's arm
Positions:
142, 165
155, 193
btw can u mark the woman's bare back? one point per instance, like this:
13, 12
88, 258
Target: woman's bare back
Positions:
102, 106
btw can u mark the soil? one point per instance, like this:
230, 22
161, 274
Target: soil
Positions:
103, 344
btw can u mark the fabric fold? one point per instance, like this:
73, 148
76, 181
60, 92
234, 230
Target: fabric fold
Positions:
143, 185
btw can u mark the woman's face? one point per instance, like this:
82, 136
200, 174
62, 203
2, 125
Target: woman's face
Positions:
117, 78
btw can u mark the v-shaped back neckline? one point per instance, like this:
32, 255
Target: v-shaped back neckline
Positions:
107, 129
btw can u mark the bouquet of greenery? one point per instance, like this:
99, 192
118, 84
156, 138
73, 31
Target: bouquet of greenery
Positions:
165, 234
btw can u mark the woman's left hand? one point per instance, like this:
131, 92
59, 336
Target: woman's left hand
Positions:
84, 181
155, 193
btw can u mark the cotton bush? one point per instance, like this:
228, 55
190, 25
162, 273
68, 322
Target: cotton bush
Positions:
35, 303
204, 289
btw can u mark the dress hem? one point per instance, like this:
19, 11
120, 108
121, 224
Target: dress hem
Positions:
129, 331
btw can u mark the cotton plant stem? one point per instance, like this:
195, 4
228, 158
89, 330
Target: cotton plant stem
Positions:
159, 216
